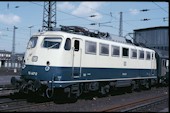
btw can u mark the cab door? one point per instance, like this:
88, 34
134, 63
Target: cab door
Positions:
76, 57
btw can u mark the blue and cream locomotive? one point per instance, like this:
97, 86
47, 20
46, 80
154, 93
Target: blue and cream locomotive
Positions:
73, 60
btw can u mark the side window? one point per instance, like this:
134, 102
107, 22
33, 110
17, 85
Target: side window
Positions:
163, 63
67, 45
125, 52
141, 54
104, 49
167, 63
90, 47
133, 53
153, 56
148, 55
76, 45
115, 51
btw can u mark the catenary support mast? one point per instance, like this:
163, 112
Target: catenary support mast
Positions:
49, 16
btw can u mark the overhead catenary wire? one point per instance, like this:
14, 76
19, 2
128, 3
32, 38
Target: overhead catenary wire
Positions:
77, 16
92, 9
24, 28
66, 13
110, 14
160, 7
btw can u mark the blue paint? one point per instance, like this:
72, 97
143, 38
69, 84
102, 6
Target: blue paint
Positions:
86, 73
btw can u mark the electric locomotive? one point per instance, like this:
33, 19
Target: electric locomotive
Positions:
73, 60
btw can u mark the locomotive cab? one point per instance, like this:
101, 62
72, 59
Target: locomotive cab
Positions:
37, 56
44, 61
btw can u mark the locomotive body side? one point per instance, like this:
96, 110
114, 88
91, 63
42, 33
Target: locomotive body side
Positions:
77, 63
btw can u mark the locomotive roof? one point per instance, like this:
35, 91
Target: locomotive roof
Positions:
113, 38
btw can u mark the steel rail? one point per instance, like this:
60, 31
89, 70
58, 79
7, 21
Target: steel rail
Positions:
133, 104
146, 105
19, 105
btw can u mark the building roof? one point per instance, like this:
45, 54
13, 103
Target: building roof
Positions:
3, 51
9, 52
151, 28
162, 53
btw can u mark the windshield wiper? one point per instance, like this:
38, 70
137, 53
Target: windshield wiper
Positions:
52, 45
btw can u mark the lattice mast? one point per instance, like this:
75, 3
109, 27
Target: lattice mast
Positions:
49, 16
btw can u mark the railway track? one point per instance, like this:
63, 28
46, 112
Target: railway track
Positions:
24, 104
6, 91
19, 105
137, 104
144, 107
8, 104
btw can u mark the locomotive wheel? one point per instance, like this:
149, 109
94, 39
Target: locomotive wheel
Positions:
59, 96
104, 91
49, 93
62, 97
73, 98
148, 85
129, 89
136, 86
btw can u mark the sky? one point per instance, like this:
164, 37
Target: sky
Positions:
27, 16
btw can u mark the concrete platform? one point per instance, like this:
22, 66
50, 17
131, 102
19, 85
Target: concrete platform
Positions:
9, 71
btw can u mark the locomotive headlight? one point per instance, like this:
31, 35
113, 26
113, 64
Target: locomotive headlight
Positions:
34, 58
48, 63
47, 68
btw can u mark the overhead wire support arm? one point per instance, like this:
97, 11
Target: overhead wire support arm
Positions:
144, 10
145, 19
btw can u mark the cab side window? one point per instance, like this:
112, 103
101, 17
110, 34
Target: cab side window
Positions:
76, 45
67, 45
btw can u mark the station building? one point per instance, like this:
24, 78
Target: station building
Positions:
156, 38
6, 59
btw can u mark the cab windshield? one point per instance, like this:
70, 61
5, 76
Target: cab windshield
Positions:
51, 42
32, 42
